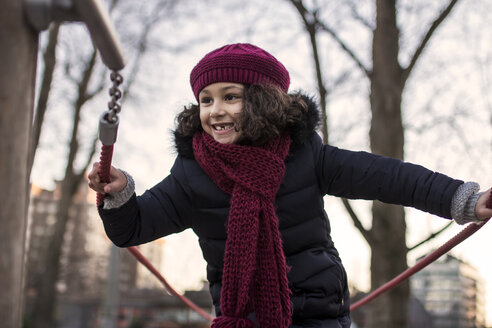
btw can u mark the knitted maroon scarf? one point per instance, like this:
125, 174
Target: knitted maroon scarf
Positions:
254, 278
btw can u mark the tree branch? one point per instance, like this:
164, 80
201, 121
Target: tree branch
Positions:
49, 58
83, 83
310, 26
92, 151
344, 46
357, 223
96, 91
425, 40
431, 236
161, 11
79, 102
355, 14
141, 49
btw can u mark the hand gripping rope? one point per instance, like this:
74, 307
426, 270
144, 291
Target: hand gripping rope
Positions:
108, 128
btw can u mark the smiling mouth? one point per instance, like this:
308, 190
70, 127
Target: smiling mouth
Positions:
223, 127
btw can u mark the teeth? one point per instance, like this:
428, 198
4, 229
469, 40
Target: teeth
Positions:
222, 127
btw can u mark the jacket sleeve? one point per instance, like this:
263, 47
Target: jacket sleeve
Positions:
162, 210
362, 175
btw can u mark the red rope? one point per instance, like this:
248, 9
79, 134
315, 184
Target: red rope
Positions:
104, 169
465, 233
171, 290
104, 176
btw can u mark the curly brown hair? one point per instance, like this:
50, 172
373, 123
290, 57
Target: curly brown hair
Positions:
267, 112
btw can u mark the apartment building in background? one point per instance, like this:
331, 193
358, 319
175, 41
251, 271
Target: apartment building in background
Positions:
452, 292
85, 265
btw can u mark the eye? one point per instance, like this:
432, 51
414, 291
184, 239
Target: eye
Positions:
205, 100
231, 96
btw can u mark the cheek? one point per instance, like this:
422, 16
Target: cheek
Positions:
236, 112
204, 115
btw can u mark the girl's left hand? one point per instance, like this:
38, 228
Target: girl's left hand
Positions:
481, 210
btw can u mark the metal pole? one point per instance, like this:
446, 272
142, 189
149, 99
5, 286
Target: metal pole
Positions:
111, 302
17, 82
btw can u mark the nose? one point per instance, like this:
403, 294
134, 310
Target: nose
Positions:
216, 109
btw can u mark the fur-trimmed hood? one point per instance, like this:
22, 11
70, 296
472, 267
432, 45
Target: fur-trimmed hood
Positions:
299, 131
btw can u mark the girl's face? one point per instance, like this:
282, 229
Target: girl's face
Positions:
220, 106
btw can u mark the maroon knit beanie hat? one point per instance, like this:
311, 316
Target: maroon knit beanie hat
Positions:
238, 63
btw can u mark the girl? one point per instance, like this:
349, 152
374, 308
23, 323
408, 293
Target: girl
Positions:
249, 179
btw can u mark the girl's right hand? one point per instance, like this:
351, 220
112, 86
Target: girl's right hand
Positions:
116, 177
483, 212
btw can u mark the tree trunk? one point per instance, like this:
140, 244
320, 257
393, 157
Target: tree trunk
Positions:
43, 311
44, 306
17, 80
319, 77
387, 235
389, 250
49, 60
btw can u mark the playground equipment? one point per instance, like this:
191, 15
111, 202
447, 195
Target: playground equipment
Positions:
41, 13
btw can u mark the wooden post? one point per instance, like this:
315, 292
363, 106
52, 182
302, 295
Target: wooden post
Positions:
18, 44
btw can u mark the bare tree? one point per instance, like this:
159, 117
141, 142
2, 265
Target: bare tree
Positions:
387, 79
311, 27
88, 84
49, 60
43, 314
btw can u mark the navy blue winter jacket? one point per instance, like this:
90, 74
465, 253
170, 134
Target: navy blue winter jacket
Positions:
188, 198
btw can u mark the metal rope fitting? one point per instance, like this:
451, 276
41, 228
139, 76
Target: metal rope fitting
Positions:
108, 128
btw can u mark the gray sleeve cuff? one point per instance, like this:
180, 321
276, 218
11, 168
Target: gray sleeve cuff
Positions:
463, 203
115, 200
